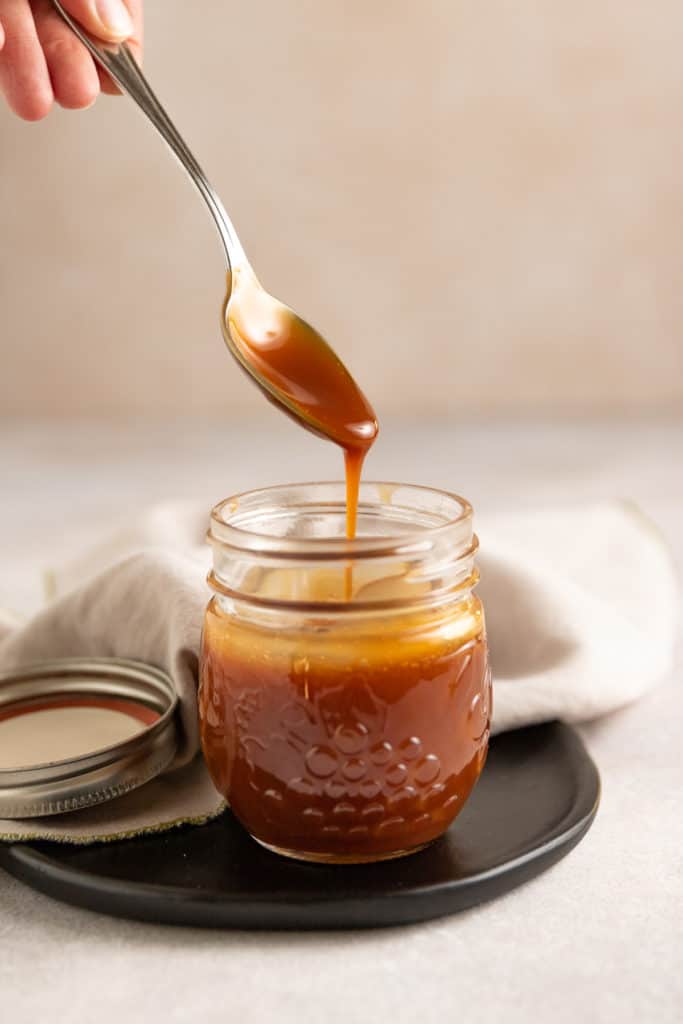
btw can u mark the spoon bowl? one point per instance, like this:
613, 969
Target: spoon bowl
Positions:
293, 364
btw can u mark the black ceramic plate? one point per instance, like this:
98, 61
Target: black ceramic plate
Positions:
535, 800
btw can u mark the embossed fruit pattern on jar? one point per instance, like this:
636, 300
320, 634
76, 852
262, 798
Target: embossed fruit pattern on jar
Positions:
346, 746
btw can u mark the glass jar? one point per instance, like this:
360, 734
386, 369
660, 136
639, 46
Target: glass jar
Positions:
344, 684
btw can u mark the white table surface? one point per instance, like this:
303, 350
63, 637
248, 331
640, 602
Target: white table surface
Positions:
599, 937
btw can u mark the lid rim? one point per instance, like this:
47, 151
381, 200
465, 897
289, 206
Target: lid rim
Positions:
36, 790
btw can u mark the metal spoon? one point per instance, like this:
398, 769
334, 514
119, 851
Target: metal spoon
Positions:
287, 358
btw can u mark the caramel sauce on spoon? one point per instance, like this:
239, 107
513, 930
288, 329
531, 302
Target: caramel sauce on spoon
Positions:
298, 371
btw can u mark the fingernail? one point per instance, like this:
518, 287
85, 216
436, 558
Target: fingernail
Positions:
115, 17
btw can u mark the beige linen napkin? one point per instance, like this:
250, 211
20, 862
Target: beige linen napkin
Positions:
581, 605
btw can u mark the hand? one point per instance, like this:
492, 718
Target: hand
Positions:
41, 60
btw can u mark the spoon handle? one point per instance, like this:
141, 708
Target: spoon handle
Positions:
118, 61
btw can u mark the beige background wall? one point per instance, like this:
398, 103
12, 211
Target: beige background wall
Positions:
481, 204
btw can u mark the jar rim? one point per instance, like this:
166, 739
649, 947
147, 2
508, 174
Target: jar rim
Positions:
228, 528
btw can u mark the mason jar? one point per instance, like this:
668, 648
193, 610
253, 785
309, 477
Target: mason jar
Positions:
345, 692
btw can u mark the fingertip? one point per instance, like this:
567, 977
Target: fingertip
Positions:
82, 98
72, 71
107, 19
2, 36
32, 106
89, 95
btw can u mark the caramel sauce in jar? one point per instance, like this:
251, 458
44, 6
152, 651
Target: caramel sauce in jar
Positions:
344, 727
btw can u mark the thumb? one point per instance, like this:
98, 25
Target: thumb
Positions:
107, 19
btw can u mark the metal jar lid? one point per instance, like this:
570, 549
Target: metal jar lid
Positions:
131, 688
